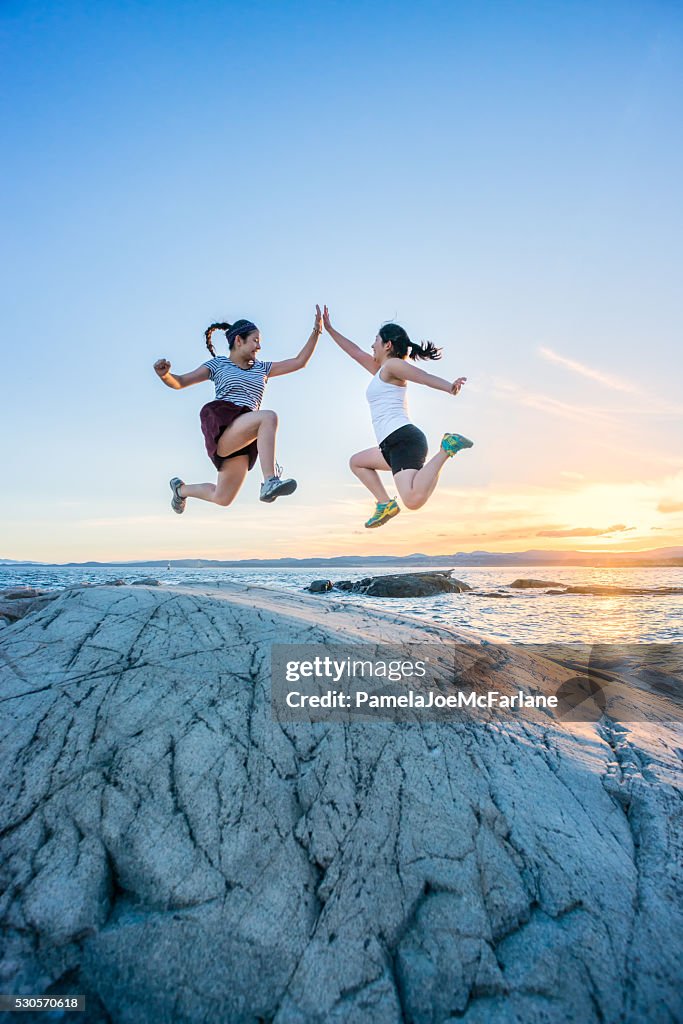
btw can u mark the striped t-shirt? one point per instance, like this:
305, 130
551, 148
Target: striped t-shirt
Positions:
233, 384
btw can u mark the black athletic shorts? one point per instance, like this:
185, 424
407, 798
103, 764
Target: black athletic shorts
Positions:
405, 448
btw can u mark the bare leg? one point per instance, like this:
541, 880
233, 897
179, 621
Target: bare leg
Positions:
416, 485
227, 487
365, 466
252, 426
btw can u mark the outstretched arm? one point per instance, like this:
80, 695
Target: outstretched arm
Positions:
180, 380
367, 361
298, 362
406, 371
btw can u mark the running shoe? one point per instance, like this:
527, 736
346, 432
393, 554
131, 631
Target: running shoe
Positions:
275, 487
454, 443
384, 511
177, 503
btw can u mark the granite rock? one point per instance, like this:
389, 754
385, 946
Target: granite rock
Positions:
409, 584
177, 854
319, 586
523, 584
595, 589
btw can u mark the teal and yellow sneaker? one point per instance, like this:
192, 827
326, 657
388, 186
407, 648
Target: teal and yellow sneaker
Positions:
454, 443
383, 513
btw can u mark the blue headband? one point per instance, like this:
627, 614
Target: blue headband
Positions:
246, 328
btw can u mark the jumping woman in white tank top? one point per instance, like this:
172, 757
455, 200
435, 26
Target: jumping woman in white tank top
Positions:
402, 447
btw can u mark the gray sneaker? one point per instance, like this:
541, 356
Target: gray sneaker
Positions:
275, 487
177, 503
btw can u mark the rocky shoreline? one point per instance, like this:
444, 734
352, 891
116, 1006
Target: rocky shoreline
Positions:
176, 853
15, 602
427, 584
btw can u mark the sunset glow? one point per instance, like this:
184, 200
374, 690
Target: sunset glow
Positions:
515, 198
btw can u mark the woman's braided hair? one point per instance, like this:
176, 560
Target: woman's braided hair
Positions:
232, 331
402, 345
209, 331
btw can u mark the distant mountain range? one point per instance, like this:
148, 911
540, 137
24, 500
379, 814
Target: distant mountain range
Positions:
626, 559
15, 561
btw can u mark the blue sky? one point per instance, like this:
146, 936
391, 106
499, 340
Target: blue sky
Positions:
503, 178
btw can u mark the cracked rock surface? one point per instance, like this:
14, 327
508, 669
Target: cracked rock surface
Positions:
173, 852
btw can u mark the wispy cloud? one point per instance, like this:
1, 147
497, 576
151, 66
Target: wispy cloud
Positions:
653, 404
607, 422
670, 506
518, 533
546, 403
609, 381
586, 531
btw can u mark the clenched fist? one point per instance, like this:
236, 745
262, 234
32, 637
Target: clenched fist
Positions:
162, 367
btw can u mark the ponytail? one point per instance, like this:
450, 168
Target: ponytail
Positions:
427, 350
209, 331
240, 329
402, 346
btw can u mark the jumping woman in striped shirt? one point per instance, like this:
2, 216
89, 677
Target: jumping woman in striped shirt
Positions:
402, 447
236, 431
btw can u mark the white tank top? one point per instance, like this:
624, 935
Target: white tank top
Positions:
388, 406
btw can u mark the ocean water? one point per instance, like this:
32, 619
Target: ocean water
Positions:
526, 617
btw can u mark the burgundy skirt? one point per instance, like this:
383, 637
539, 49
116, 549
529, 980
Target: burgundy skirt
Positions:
214, 418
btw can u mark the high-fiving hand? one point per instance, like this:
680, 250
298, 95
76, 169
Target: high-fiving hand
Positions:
318, 325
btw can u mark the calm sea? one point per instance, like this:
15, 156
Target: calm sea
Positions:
526, 617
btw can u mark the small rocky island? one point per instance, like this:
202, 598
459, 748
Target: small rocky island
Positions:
441, 581
408, 584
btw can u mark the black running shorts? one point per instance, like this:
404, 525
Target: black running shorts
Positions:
405, 448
